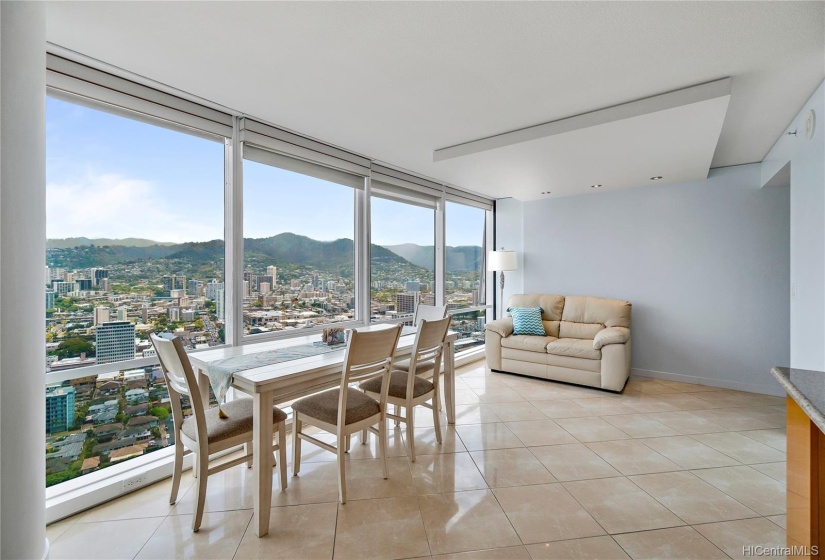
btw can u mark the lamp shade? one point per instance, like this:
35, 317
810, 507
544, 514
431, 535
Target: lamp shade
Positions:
501, 260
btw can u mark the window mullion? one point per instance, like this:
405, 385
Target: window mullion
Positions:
233, 216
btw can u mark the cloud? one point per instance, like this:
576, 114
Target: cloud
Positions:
114, 206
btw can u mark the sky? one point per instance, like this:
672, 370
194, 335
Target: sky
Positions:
114, 177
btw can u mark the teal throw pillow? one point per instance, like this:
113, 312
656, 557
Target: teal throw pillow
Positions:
527, 320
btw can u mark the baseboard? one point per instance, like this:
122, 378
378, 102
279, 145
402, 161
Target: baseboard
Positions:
764, 389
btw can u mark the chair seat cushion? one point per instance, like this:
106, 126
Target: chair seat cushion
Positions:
575, 348
398, 385
528, 342
324, 406
421, 367
239, 412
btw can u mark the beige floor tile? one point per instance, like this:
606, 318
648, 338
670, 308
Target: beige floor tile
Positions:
775, 437
781, 520
306, 532
686, 423
509, 553
424, 417
573, 461
639, 425
225, 491
462, 521
472, 414
546, 513
777, 471
647, 403
511, 467
56, 529
651, 386
218, 538
370, 450
540, 432
685, 401
151, 501
758, 491
498, 394
604, 406
477, 437
466, 396
732, 419
484, 382
743, 449
692, 499
679, 542
556, 408
620, 506
109, 540
689, 453
426, 443
449, 472
632, 457
516, 412
385, 528
591, 429
604, 548
685, 387
733, 536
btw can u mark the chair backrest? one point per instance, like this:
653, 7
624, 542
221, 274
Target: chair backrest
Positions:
180, 381
429, 344
429, 313
368, 355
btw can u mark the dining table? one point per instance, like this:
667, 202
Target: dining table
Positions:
285, 381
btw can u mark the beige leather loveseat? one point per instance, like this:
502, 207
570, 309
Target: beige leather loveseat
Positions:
587, 342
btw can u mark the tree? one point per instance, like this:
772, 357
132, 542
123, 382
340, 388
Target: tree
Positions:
159, 412
72, 347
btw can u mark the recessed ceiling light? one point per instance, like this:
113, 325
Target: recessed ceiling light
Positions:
656, 178
595, 186
545, 192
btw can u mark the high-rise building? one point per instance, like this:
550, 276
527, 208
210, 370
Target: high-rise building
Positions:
98, 274
115, 342
144, 313
248, 276
211, 290
173, 282
103, 285
314, 280
62, 288
247, 288
60, 409
174, 314
49, 299
265, 279
101, 315
83, 284
272, 271
122, 313
264, 287
220, 304
406, 302
412, 286
57, 273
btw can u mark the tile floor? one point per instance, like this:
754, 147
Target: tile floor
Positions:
532, 469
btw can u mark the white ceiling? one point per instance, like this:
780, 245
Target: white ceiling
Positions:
396, 81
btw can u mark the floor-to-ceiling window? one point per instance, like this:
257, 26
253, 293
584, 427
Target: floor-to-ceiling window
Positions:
135, 245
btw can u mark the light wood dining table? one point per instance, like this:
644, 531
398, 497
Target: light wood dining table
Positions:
286, 381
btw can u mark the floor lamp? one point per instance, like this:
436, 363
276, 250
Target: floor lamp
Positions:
500, 261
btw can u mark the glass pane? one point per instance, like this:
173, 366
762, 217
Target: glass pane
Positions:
403, 259
134, 221
299, 258
464, 287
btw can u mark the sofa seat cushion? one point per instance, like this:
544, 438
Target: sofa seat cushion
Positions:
528, 342
575, 348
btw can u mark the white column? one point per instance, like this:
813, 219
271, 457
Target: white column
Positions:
22, 258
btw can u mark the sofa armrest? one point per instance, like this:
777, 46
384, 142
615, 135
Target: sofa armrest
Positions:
611, 335
502, 327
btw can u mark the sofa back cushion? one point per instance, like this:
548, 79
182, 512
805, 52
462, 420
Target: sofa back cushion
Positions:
551, 309
606, 312
569, 329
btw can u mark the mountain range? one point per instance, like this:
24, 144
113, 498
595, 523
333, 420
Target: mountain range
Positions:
282, 249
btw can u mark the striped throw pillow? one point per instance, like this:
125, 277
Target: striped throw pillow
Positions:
527, 320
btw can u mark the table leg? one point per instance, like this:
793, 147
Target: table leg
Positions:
262, 461
449, 381
203, 386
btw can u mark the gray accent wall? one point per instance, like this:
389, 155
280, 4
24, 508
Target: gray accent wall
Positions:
705, 265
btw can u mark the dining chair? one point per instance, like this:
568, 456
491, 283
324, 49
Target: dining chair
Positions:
204, 433
346, 410
407, 389
429, 313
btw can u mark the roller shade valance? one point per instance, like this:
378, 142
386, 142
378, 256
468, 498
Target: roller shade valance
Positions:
80, 84
393, 182
470, 199
303, 167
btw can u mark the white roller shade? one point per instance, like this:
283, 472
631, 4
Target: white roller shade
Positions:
470, 199
404, 187
81, 84
303, 167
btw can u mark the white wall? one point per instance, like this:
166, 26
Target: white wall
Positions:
705, 265
807, 162
510, 235
22, 254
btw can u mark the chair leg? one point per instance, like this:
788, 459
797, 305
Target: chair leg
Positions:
436, 418
363, 437
282, 452
382, 445
177, 472
349, 442
411, 432
200, 492
397, 410
195, 467
247, 449
296, 444
342, 467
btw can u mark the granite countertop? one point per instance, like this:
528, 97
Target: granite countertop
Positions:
807, 388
